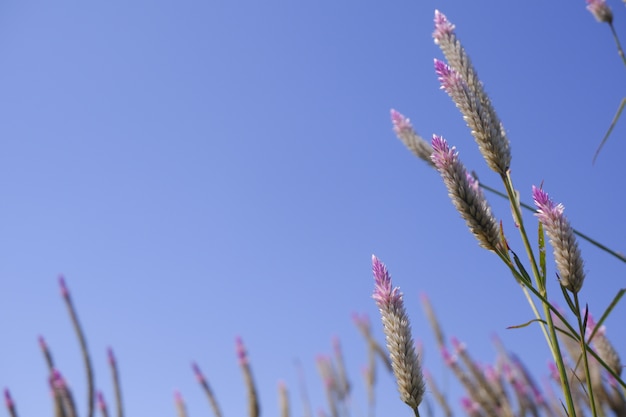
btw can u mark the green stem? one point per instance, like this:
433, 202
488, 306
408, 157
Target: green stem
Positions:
583, 348
517, 216
620, 51
85, 352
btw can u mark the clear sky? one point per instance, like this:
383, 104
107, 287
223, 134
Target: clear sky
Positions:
203, 170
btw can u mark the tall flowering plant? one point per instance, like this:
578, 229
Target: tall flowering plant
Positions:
459, 79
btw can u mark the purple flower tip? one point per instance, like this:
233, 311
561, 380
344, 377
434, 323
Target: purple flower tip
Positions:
178, 397
241, 351
566, 252
442, 153
359, 319
466, 403
600, 10
441, 68
541, 197
457, 344
42, 343
336, 343
111, 356
102, 405
384, 294
449, 79
400, 122
7, 398
197, 372
442, 26
439, 144
447, 357
64, 291
57, 381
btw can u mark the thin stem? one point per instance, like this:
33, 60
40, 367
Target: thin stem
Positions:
620, 51
583, 348
517, 216
116, 384
608, 132
83, 347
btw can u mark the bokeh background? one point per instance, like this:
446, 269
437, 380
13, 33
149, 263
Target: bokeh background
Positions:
200, 170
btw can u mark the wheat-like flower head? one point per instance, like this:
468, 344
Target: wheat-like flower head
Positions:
404, 359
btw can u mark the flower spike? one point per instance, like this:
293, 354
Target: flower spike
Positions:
470, 97
405, 361
466, 196
405, 132
567, 255
600, 10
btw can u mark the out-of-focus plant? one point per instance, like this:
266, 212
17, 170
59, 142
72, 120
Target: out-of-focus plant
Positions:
603, 14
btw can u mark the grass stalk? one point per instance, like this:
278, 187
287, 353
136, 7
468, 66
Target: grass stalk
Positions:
583, 348
83, 347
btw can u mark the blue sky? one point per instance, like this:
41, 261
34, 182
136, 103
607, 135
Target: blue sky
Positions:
203, 170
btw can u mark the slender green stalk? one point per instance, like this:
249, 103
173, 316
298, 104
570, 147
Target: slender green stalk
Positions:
116, 383
620, 108
517, 217
83, 347
620, 51
583, 348
207, 389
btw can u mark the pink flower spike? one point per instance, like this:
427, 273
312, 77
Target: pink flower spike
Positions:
442, 26
178, 398
447, 357
337, 346
111, 356
397, 328
469, 406
102, 405
384, 294
600, 10
401, 124
241, 351
449, 79
409, 137
42, 343
198, 373
64, 291
57, 381
567, 255
7, 399
457, 344
361, 320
